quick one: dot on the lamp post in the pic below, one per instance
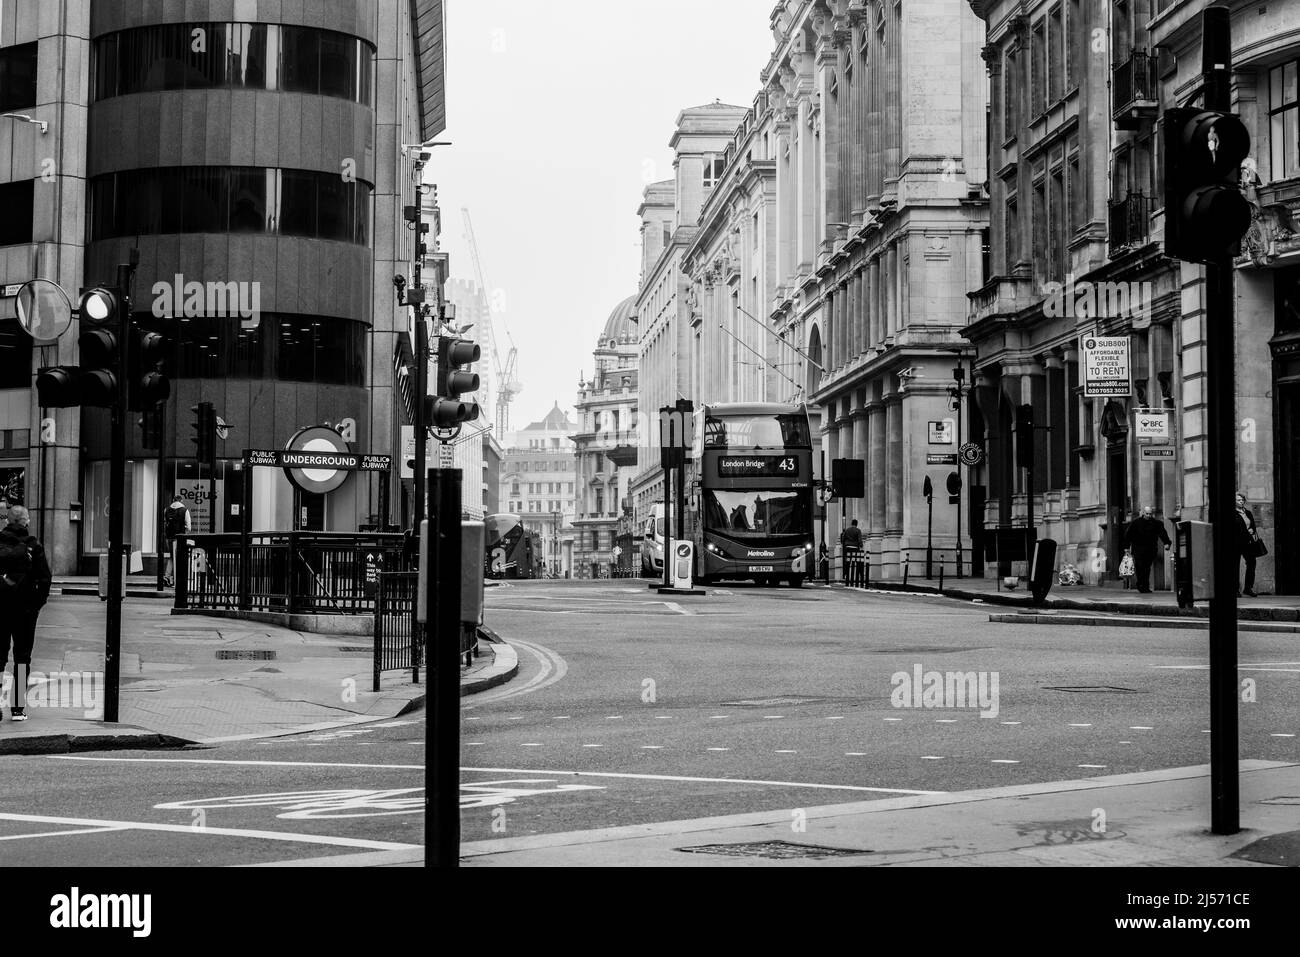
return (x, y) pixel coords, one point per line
(555, 547)
(957, 390)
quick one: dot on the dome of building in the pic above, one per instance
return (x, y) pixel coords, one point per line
(620, 326)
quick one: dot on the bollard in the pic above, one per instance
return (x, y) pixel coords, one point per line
(907, 567)
(941, 576)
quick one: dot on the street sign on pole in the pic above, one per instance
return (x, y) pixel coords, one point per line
(446, 455)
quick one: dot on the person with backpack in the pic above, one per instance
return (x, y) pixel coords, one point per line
(24, 589)
(176, 522)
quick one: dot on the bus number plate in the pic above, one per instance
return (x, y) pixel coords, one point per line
(761, 568)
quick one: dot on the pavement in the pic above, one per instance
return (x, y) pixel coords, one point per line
(1109, 599)
(1153, 819)
(203, 680)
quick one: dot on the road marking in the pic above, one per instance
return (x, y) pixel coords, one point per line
(1206, 731)
(1126, 742)
(893, 719)
(769, 717)
(662, 717)
(1004, 761)
(1281, 735)
(593, 745)
(295, 837)
(553, 668)
(273, 764)
(84, 830)
(787, 751)
(945, 720)
(714, 717)
(530, 744)
(518, 717)
(491, 793)
(1239, 668)
(835, 717)
(473, 718)
(316, 805)
(694, 780)
(673, 606)
(472, 744)
(561, 717)
(391, 724)
(1092, 765)
(1080, 725)
(1010, 722)
(932, 757)
(652, 747)
(1140, 727)
(855, 754)
(719, 749)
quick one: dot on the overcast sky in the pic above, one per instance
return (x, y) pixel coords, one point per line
(560, 113)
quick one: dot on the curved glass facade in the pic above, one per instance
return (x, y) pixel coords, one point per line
(229, 199)
(285, 347)
(254, 56)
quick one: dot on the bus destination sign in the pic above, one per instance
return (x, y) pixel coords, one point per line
(758, 466)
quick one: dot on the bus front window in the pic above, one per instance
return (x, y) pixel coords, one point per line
(750, 513)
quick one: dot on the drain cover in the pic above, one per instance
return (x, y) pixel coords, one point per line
(774, 850)
(253, 654)
(1092, 689)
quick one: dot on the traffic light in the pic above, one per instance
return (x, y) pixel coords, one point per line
(1205, 213)
(445, 407)
(100, 349)
(1025, 436)
(148, 385)
(205, 432)
(954, 488)
(58, 387)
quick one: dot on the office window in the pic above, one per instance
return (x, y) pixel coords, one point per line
(1038, 70)
(18, 77)
(16, 201)
(1011, 91)
(1038, 226)
(15, 356)
(283, 346)
(1055, 55)
(713, 168)
(1283, 112)
(1059, 228)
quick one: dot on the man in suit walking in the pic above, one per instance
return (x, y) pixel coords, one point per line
(1144, 536)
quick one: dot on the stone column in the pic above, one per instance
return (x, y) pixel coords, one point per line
(862, 451)
(890, 271)
(877, 483)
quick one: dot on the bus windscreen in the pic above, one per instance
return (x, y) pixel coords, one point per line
(763, 513)
(777, 432)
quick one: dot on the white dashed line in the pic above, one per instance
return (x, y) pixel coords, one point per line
(1140, 727)
(769, 717)
(715, 717)
(652, 747)
(1080, 725)
(1092, 765)
(719, 749)
(855, 754)
(593, 745)
(932, 757)
(1004, 761)
(893, 719)
(518, 717)
(835, 717)
(473, 719)
(786, 751)
(1205, 731)
(1126, 742)
(561, 717)
(471, 744)
(530, 744)
(1280, 735)
(945, 720)
(613, 717)
(662, 717)
(1010, 722)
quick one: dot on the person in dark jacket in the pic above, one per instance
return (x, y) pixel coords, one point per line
(1144, 535)
(1247, 543)
(851, 545)
(24, 589)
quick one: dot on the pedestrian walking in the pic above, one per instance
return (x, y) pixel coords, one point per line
(851, 546)
(176, 522)
(1144, 536)
(24, 589)
(1249, 545)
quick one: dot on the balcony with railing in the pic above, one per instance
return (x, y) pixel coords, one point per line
(1134, 90)
(1130, 221)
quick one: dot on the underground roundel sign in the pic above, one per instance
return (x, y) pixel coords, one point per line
(324, 443)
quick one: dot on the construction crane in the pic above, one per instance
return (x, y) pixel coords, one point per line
(508, 384)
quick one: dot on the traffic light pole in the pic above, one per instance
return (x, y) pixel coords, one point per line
(420, 427)
(117, 496)
(442, 636)
(160, 493)
(1221, 457)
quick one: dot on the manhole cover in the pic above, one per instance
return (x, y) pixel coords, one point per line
(1092, 689)
(255, 654)
(771, 702)
(773, 850)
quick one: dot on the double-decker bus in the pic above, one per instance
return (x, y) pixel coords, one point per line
(512, 551)
(753, 493)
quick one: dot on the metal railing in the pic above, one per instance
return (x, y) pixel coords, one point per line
(397, 639)
(1129, 220)
(1134, 81)
(330, 573)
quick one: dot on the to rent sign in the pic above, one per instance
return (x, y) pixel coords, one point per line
(1106, 366)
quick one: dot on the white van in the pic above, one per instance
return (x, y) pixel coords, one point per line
(652, 543)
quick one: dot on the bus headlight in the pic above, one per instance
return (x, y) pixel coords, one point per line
(711, 547)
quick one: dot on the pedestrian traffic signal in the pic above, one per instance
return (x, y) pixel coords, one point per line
(148, 385)
(1205, 212)
(1025, 436)
(445, 407)
(954, 488)
(205, 432)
